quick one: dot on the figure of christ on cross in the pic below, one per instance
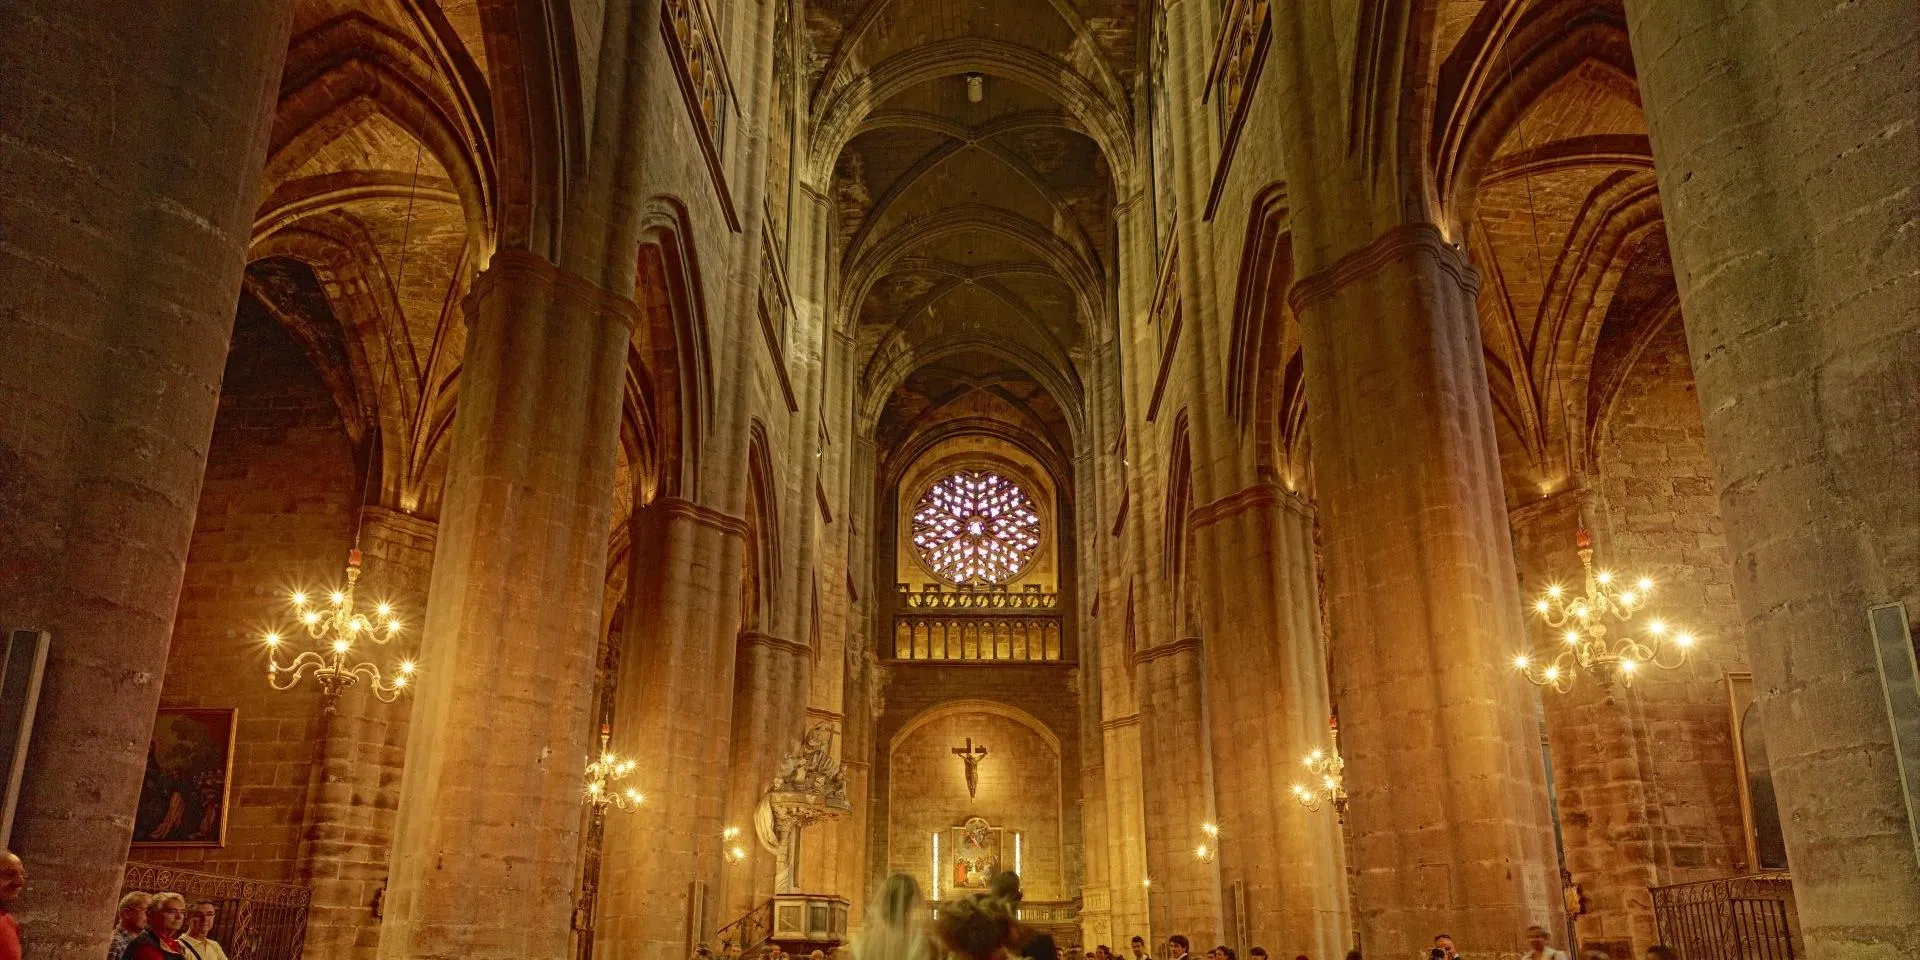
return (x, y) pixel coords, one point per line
(971, 756)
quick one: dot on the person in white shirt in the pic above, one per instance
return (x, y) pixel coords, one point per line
(1537, 948)
(200, 919)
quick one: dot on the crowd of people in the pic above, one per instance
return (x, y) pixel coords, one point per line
(900, 926)
(148, 926)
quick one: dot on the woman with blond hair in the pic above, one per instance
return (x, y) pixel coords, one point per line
(896, 924)
(166, 918)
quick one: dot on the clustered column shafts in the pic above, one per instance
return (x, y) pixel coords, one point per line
(354, 797)
(1177, 773)
(125, 237)
(1443, 765)
(500, 729)
(1784, 141)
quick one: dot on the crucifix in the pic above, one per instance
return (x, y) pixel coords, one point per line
(971, 756)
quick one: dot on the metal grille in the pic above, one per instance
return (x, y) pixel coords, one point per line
(258, 919)
(1737, 918)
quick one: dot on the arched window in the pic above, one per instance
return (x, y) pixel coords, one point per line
(976, 528)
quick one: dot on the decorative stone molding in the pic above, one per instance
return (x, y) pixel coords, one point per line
(523, 267)
(1405, 242)
(771, 642)
(1258, 496)
(682, 509)
(1168, 649)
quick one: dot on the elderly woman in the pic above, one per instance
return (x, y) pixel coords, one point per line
(166, 918)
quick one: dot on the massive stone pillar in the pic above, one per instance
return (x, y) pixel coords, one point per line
(1443, 761)
(769, 708)
(1784, 140)
(1177, 767)
(487, 848)
(1267, 707)
(662, 864)
(132, 148)
(354, 797)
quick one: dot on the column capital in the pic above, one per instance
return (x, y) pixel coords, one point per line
(524, 267)
(1258, 496)
(1402, 243)
(679, 508)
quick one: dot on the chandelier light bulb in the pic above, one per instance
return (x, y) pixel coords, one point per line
(299, 599)
(1684, 640)
(340, 646)
(1520, 662)
(336, 598)
(385, 610)
(310, 618)
(1605, 577)
(1656, 628)
(273, 639)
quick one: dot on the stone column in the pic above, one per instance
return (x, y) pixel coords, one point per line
(487, 849)
(769, 708)
(1177, 768)
(1609, 826)
(1784, 140)
(673, 710)
(1267, 707)
(354, 796)
(133, 148)
(1443, 761)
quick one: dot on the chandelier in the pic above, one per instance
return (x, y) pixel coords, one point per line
(730, 841)
(603, 776)
(1325, 767)
(1209, 848)
(335, 627)
(1586, 645)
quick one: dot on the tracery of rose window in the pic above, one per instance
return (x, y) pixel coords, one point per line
(976, 527)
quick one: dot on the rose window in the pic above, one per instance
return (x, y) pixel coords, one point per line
(976, 527)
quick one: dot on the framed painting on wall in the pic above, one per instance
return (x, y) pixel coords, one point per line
(183, 798)
(1766, 848)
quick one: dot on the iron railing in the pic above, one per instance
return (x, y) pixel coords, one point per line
(748, 932)
(257, 919)
(1734, 918)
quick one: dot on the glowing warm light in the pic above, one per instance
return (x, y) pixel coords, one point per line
(602, 776)
(406, 667)
(976, 527)
(334, 630)
(1597, 625)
